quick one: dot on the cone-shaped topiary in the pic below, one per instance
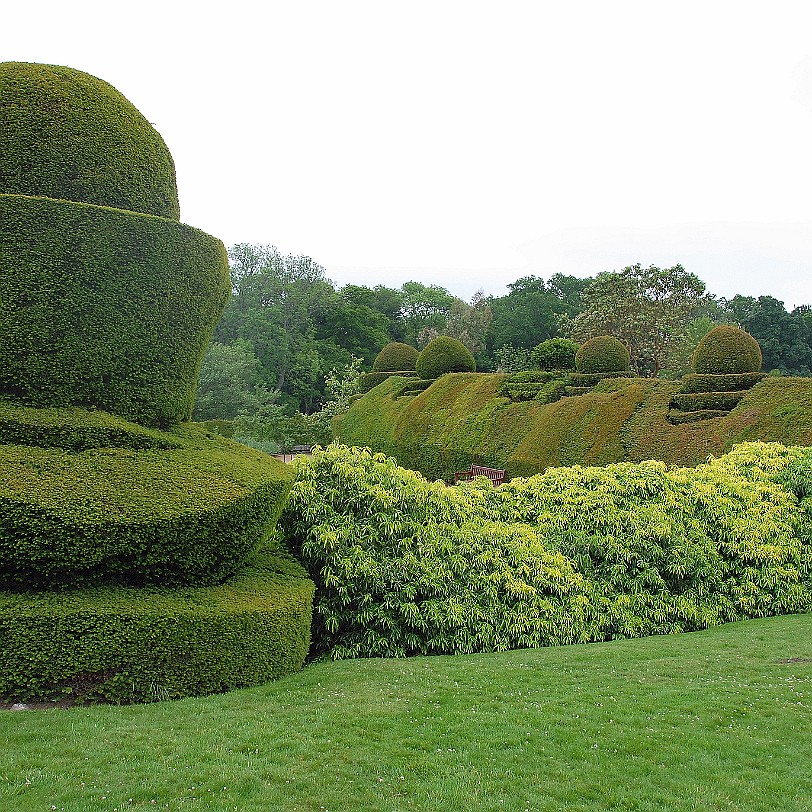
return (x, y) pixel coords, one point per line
(444, 354)
(67, 135)
(602, 354)
(727, 349)
(395, 357)
(555, 353)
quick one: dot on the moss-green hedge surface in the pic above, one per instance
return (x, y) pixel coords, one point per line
(463, 419)
(188, 514)
(135, 645)
(67, 135)
(105, 308)
(406, 566)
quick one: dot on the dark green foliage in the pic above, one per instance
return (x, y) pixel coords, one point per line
(555, 353)
(145, 292)
(189, 514)
(725, 350)
(602, 354)
(720, 383)
(405, 566)
(442, 355)
(394, 357)
(67, 135)
(120, 644)
(702, 401)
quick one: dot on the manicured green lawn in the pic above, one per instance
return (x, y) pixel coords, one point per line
(715, 720)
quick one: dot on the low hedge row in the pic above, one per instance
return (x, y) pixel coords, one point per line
(703, 401)
(678, 417)
(370, 380)
(134, 645)
(412, 387)
(732, 382)
(75, 429)
(114, 515)
(594, 378)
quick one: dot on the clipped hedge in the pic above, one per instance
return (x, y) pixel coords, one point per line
(406, 566)
(67, 135)
(678, 417)
(442, 355)
(544, 387)
(75, 429)
(394, 357)
(413, 387)
(702, 401)
(105, 308)
(369, 380)
(178, 515)
(137, 645)
(602, 354)
(589, 379)
(727, 350)
(733, 382)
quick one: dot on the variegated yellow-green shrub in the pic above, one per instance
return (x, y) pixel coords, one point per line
(407, 566)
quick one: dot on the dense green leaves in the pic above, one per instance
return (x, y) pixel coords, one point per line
(407, 566)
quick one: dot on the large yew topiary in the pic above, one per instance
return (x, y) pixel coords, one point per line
(101, 307)
(444, 354)
(395, 357)
(727, 350)
(107, 303)
(67, 135)
(602, 354)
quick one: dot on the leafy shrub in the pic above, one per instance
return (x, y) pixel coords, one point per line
(696, 401)
(188, 514)
(444, 354)
(133, 645)
(727, 350)
(734, 382)
(67, 135)
(395, 357)
(555, 353)
(602, 354)
(406, 566)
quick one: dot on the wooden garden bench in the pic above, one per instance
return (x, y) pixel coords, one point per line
(496, 475)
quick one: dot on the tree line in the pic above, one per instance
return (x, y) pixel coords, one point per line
(287, 327)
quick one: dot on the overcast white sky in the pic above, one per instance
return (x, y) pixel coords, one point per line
(466, 143)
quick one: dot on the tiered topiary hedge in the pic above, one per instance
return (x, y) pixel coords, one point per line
(726, 363)
(124, 549)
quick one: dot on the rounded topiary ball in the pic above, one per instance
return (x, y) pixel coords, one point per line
(395, 357)
(727, 349)
(444, 354)
(602, 354)
(67, 135)
(555, 353)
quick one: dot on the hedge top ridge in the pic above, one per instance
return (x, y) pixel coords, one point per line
(727, 349)
(395, 357)
(444, 354)
(602, 354)
(67, 135)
